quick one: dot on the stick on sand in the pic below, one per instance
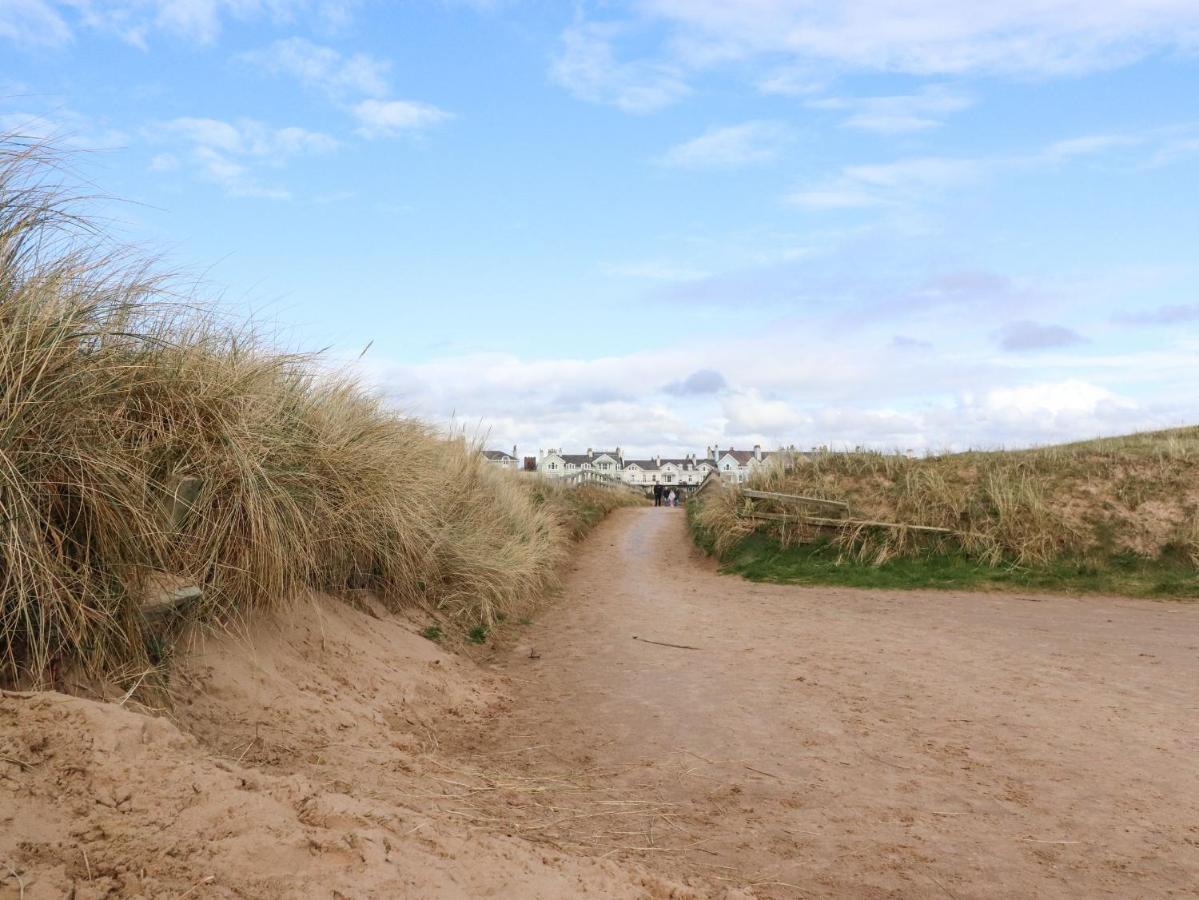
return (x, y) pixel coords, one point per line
(662, 644)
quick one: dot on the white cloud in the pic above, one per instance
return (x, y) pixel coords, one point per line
(793, 81)
(32, 23)
(1072, 397)
(200, 21)
(796, 47)
(899, 113)
(249, 137)
(734, 146)
(804, 384)
(904, 180)
(655, 270)
(65, 128)
(1039, 37)
(324, 68)
(228, 153)
(587, 66)
(1026, 335)
(917, 179)
(390, 118)
(164, 162)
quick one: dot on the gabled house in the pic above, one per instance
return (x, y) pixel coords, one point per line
(691, 470)
(501, 459)
(738, 465)
(600, 465)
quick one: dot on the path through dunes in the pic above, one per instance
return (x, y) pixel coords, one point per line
(826, 741)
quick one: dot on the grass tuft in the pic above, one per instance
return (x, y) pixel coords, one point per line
(1115, 514)
(142, 436)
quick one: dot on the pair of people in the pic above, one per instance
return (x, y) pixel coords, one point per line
(664, 497)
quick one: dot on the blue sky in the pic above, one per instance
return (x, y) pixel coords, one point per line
(667, 224)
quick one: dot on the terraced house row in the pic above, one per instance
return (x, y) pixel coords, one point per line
(731, 464)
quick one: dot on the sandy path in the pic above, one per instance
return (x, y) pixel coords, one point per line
(859, 743)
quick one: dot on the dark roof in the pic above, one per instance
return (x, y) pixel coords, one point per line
(744, 456)
(580, 458)
(647, 464)
(651, 465)
(498, 454)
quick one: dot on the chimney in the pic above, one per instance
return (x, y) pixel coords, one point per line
(588, 451)
(514, 456)
(619, 456)
(710, 454)
(757, 451)
(657, 460)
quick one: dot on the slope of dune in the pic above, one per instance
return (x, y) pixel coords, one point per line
(296, 760)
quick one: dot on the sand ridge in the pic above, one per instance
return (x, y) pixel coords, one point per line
(299, 760)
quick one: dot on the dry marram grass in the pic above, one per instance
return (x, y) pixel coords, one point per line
(1134, 494)
(140, 435)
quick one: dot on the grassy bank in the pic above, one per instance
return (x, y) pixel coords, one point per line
(1116, 515)
(140, 435)
(759, 558)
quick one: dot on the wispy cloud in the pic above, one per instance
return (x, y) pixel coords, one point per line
(1170, 314)
(201, 21)
(1043, 38)
(861, 186)
(587, 65)
(32, 23)
(655, 270)
(898, 113)
(391, 118)
(357, 83)
(731, 147)
(64, 127)
(323, 68)
(231, 154)
(917, 179)
(1026, 335)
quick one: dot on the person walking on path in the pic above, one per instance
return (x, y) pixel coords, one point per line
(672, 499)
(657, 495)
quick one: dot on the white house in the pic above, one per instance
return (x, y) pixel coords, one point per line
(737, 465)
(732, 465)
(601, 465)
(501, 459)
(657, 470)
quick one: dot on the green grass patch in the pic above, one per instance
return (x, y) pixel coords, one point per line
(758, 558)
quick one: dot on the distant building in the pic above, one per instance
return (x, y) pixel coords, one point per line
(609, 465)
(738, 465)
(501, 459)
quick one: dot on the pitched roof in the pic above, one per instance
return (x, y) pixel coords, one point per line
(744, 456)
(648, 464)
(498, 454)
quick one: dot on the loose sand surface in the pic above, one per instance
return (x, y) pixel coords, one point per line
(834, 742)
(816, 742)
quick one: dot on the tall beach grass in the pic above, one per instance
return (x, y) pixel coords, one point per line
(141, 435)
(1135, 496)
